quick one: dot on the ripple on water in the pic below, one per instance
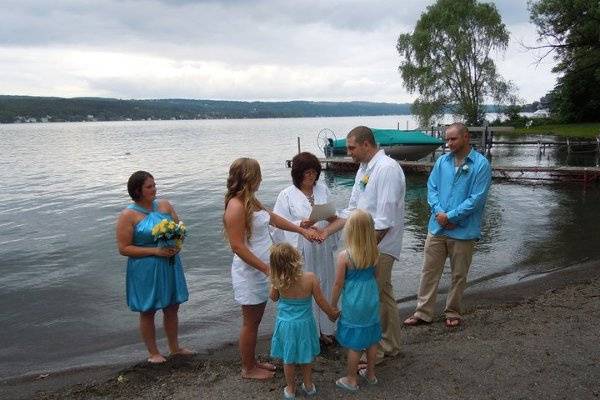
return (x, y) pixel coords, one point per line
(60, 265)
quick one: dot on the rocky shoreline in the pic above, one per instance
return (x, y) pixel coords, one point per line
(536, 339)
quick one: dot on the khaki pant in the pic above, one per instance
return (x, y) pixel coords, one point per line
(437, 249)
(390, 319)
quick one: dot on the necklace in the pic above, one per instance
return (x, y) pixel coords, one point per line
(310, 197)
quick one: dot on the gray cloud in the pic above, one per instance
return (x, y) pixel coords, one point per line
(303, 39)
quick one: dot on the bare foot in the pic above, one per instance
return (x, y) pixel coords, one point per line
(257, 373)
(183, 352)
(266, 365)
(156, 359)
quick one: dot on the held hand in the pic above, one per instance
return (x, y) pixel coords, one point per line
(311, 235)
(166, 251)
(307, 223)
(441, 218)
(336, 314)
(449, 226)
(321, 234)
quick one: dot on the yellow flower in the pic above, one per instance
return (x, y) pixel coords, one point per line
(364, 181)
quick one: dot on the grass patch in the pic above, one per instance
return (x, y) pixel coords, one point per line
(588, 130)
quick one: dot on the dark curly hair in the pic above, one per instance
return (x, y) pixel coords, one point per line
(136, 182)
(301, 163)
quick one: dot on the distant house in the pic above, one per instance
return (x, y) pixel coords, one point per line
(543, 113)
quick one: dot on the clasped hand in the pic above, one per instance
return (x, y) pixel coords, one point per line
(167, 251)
(314, 234)
(442, 219)
(336, 314)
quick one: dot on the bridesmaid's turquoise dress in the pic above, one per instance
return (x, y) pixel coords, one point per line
(153, 283)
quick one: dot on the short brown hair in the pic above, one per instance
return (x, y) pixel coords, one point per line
(462, 128)
(362, 134)
(135, 184)
(303, 162)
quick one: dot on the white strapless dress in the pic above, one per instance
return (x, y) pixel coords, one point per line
(250, 286)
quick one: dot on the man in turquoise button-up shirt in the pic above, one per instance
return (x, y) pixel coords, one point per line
(457, 190)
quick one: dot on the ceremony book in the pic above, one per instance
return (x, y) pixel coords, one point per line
(321, 212)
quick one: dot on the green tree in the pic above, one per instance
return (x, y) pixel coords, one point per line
(447, 59)
(570, 30)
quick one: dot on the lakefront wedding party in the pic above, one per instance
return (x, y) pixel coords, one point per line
(280, 200)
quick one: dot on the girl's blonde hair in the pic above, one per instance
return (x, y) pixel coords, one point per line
(361, 239)
(243, 180)
(286, 265)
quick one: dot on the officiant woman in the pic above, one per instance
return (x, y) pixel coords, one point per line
(294, 203)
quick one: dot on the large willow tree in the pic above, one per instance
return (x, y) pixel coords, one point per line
(447, 59)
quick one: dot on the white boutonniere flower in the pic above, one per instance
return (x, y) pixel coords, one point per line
(465, 168)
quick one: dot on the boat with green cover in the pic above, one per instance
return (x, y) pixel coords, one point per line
(410, 145)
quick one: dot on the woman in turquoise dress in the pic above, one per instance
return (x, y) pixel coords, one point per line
(155, 279)
(359, 326)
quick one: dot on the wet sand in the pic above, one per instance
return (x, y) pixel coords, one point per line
(535, 339)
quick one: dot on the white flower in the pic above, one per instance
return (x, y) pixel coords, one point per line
(465, 167)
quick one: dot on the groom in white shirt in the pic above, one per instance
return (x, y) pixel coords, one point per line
(379, 189)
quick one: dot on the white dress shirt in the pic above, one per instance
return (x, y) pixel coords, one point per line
(383, 197)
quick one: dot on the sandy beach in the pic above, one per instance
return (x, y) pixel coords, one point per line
(536, 339)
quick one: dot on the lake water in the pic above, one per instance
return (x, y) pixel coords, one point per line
(62, 293)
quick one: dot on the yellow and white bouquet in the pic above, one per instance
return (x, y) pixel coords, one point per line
(169, 234)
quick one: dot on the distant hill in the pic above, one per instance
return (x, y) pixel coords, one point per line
(55, 109)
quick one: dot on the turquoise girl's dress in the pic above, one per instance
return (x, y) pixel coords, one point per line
(153, 283)
(295, 337)
(359, 325)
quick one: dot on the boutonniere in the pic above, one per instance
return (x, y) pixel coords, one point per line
(465, 168)
(364, 181)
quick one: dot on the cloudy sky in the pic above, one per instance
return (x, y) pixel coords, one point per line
(229, 49)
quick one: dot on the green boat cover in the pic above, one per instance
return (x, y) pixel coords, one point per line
(390, 137)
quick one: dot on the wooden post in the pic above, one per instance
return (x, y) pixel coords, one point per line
(298, 144)
(484, 138)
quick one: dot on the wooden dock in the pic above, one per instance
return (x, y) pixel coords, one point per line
(585, 175)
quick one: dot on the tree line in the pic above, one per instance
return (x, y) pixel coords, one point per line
(53, 109)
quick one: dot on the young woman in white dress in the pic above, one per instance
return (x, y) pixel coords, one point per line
(247, 228)
(295, 204)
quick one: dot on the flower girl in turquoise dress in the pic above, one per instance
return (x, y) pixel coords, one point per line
(295, 337)
(359, 325)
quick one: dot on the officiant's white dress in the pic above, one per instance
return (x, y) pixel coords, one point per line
(294, 206)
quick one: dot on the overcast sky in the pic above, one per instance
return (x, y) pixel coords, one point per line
(229, 49)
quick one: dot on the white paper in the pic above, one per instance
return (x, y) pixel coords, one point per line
(321, 212)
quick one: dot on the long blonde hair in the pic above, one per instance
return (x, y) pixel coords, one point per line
(243, 180)
(286, 265)
(361, 239)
